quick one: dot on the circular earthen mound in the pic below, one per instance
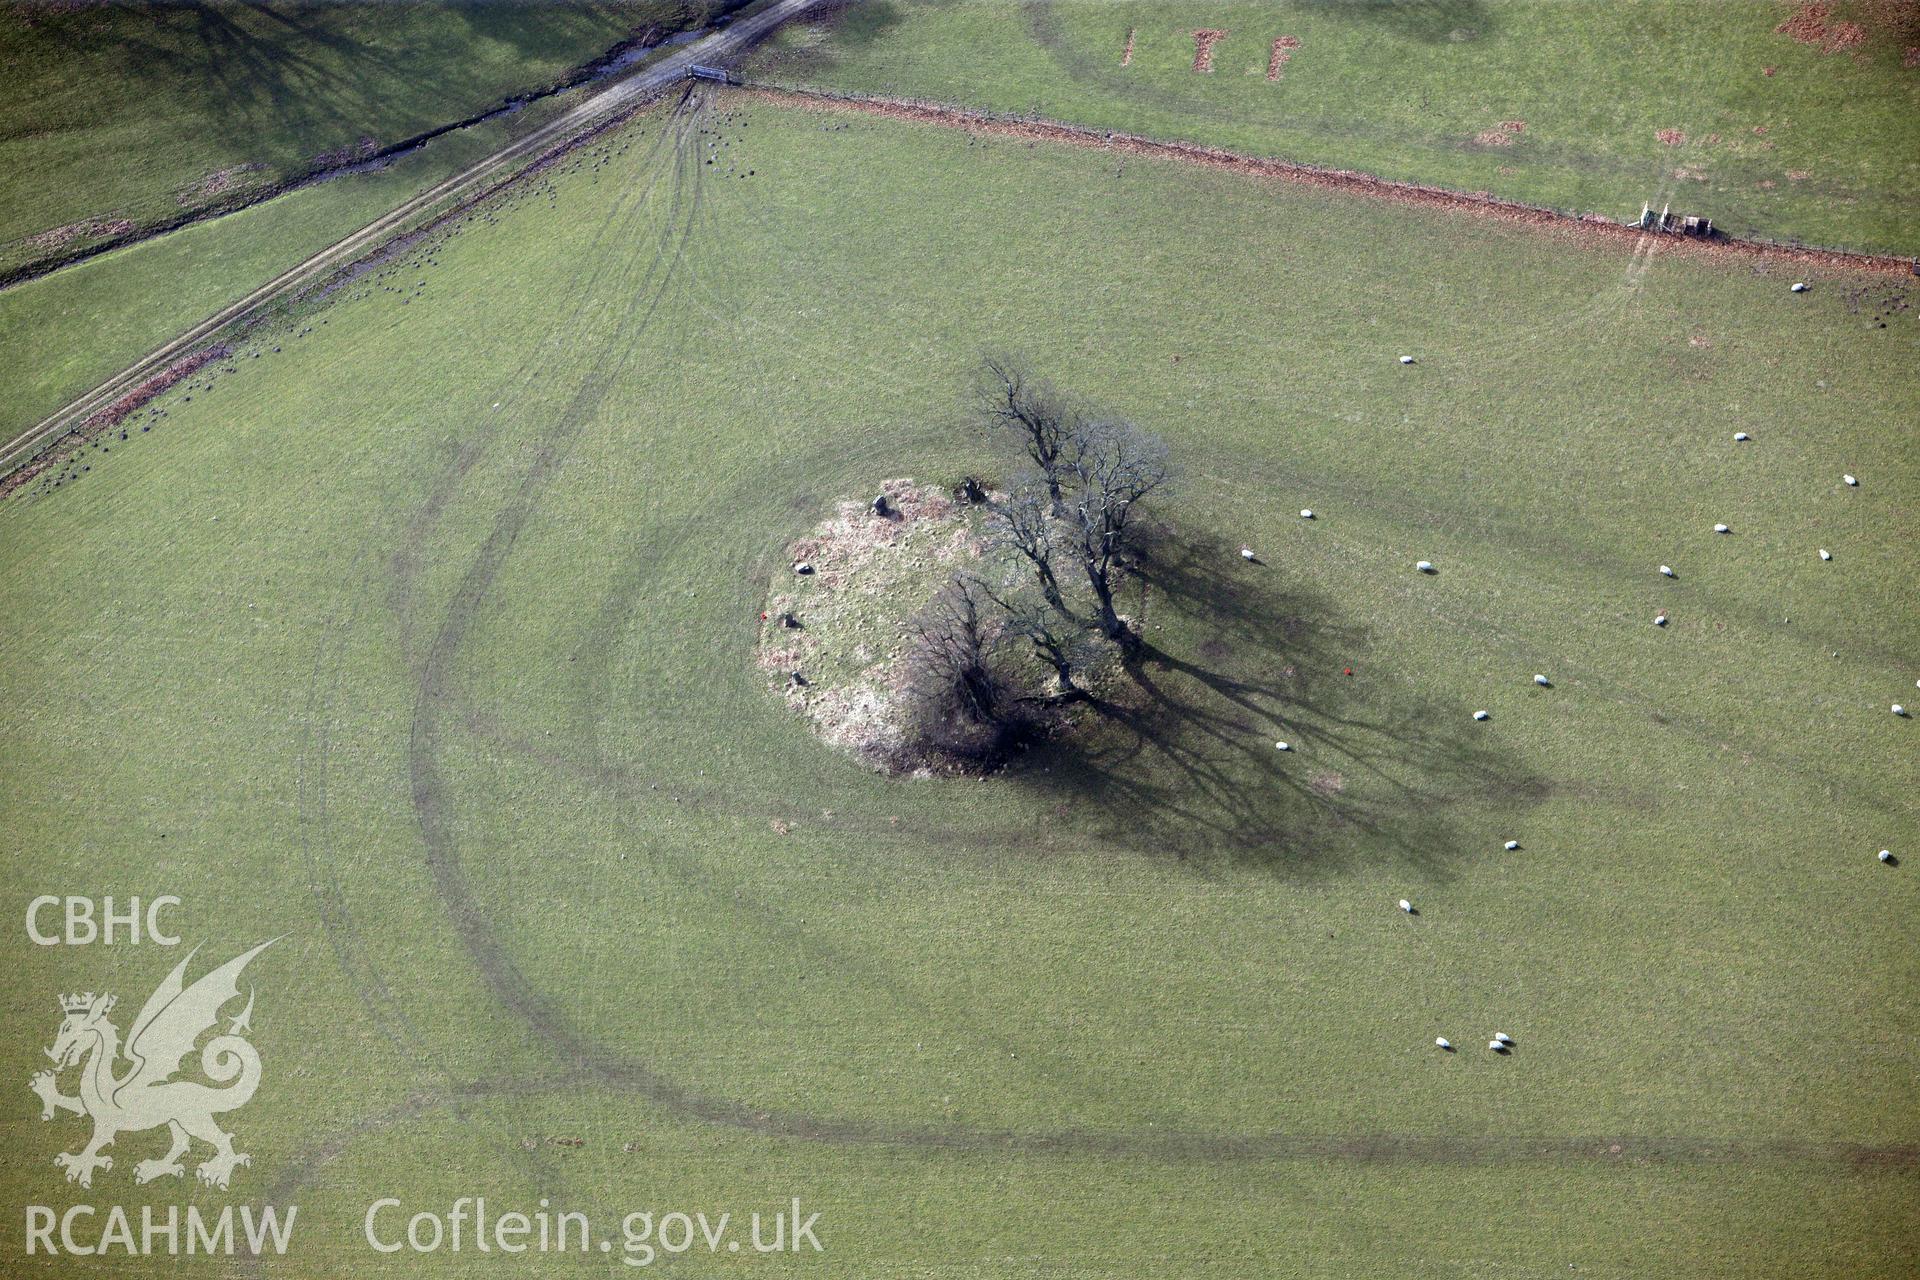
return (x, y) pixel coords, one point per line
(834, 630)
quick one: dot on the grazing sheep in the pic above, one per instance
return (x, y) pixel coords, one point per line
(1246, 553)
(1406, 359)
(1501, 1037)
(1799, 286)
(1666, 571)
(1851, 482)
(802, 567)
(1721, 528)
(1423, 566)
(1441, 1042)
(1886, 855)
(1282, 746)
(1543, 682)
(1511, 845)
(1899, 710)
(1741, 437)
(1306, 513)
(1660, 618)
(1825, 554)
(1406, 906)
(1496, 1046)
(1479, 715)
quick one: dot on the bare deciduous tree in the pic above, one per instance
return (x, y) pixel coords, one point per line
(951, 669)
(1024, 525)
(1055, 639)
(1010, 398)
(1110, 467)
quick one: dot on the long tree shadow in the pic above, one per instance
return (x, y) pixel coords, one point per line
(1180, 755)
(300, 78)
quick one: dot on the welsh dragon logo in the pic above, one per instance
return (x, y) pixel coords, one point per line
(148, 1094)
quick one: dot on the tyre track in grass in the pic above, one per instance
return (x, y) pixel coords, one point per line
(475, 182)
(1378, 1150)
(313, 757)
(441, 707)
(437, 688)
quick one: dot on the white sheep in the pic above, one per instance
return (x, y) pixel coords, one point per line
(1246, 553)
(1511, 845)
(1899, 710)
(1423, 566)
(1406, 359)
(1721, 528)
(1306, 513)
(1282, 746)
(1479, 715)
(1799, 286)
(1543, 682)
(1501, 1037)
(1852, 483)
(1496, 1046)
(1406, 906)
(1825, 554)
(1886, 855)
(1741, 437)
(1660, 619)
(1441, 1042)
(1666, 571)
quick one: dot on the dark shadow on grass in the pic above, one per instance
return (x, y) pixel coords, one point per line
(1178, 755)
(1432, 21)
(299, 81)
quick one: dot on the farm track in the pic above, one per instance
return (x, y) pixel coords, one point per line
(475, 182)
(1349, 181)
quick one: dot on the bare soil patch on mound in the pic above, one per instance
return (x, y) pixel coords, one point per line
(835, 627)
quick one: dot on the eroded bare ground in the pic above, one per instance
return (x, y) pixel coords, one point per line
(832, 612)
(1593, 227)
(56, 458)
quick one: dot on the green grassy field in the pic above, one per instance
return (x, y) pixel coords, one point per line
(1766, 134)
(137, 113)
(427, 642)
(70, 331)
